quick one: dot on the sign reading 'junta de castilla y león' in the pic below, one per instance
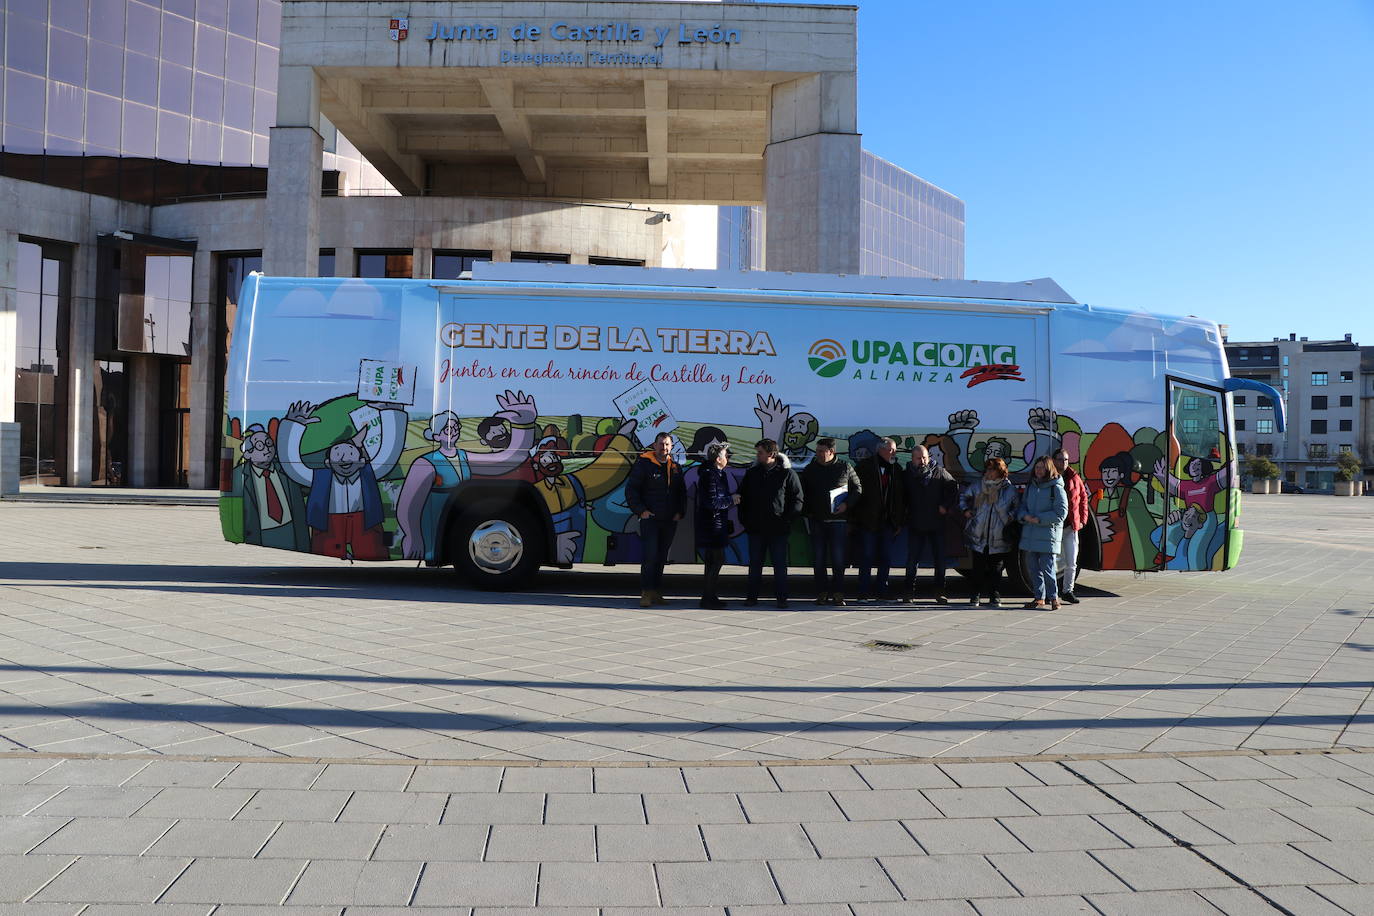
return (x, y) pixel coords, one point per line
(625, 32)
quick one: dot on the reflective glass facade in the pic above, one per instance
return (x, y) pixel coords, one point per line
(908, 227)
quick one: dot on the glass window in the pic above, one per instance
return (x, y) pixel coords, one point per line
(1264, 426)
(1240, 426)
(1319, 378)
(205, 141)
(26, 43)
(68, 62)
(1285, 360)
(166, 320)
(449, 265)
(207, 100)
(173, 137)
(24, 104)
(240, 55)
(238, 148)
(1347, 447)
(42, 275)
(1347, 375)
(107, 20)
(102, 120)
(1317, 450)
(265, 73)
(1318, 402)
(178, 39)
(327, 262)
(1264, 403)
(384, 264)
(140, 130)
(185, 8)
(214, 12)
(532, 257)
(175, 88)
(238, 106)
(144, 31)
(140, 78)
(264, 111)
(243, 17)
(269, 21)
(65, 115)
(106, 68)
(1318, 427)
(109, 427)
(210, 50)
(1238, 400)
(1264, 448)
(1347, 400)
(616, 262)
(1192, 425)
(1346, 426)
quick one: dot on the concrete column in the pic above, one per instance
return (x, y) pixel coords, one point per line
(343, 262)
(812, 176)
(80, 366)
(9, 457)
(295, 161)
(422, 263)
(206, 386)
(144, 380)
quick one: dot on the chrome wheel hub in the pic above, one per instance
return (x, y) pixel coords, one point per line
(495, 546)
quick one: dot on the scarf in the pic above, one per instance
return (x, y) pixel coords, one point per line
(988, 493)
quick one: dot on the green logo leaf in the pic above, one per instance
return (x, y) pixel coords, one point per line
(826, 368)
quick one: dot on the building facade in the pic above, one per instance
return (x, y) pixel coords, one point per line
(153, 152)
(1327, 387)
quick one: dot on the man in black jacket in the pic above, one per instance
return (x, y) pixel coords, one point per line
(656, 493)
(880, 514)
(770, 498)
(830, 487)
(931, 497)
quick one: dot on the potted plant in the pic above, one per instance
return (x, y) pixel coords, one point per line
(1347, 470)
(1264, 474)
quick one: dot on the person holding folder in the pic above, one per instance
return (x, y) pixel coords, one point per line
(830, 486)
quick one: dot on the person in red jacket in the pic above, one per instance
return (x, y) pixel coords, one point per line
(1079, 513)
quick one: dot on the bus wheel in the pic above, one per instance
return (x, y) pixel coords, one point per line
(497, 548)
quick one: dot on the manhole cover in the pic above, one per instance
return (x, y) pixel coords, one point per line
(884, 645)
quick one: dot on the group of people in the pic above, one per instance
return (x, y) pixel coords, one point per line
(883, 500)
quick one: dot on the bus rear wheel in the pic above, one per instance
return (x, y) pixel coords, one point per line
(496, 548)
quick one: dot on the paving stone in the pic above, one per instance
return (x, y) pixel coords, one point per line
(1159, 796)
(1253, 825)
(1062, 832)
(272, 776)
(395, 807)
(721, 883)
(1153, 769)
(1241, 793)
(18, 770)
(694, 809)
(1271, 863)
(539, 843)
(293, 805)
(594, 809)
(89, 772)
(21, 800)
(21, 875)
(95, 801)
(817, 778)
(599, 883)
(425, 843)
(495, 808)
(214, 839)
(916, 908)
(1354, 860)
(1033, 906)
(904, 776)
(963, 835)
(651, 843)
(1153, 903)
(790, 807)
(979, 775)
(1338, 824)
(1161, 869)
(757, 841)
(178, 802)
(18, 835)
(1231, 767)
(730, 779)
(113, 879)
(477, 884)
(373, 778)
(945, 877)
(1047, 873)
(189, 774)
(1237, 901)
(261, 881)
(1322, 791)
(988, 802)
(861, 839)
(639, 780)
(356, 883)
(1352, 898)
(547, 779)
(455, 779)
(1070, 799)
(313, 840)
(110, 836)
(884, 804)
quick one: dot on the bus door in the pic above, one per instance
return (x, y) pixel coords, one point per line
(1201, 502)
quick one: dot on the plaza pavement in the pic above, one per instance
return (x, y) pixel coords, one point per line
(187, 726)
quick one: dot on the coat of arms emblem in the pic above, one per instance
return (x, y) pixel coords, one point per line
(400, 27)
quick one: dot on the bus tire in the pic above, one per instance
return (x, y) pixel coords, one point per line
(496, 547)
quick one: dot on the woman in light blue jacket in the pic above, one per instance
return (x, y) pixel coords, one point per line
(1044, 506)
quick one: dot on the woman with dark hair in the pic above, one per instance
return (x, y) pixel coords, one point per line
(988, 505)
(713, 526)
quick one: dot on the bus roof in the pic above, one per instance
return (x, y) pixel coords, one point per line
(1042, 290)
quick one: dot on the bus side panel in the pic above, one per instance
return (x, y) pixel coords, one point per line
(1110, 385)
(321, 385)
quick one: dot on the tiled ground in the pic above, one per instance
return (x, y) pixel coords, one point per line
(1127, 756)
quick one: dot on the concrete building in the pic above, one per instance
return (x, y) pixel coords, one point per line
(1326, 393)
(156, 151)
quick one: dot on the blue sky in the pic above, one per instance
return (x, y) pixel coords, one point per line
(1213, 159)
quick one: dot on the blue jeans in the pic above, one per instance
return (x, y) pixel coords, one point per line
(776, 546)
(828, 547)
(655, 537)
(1043, 584)
(877, 552)
(931, 543)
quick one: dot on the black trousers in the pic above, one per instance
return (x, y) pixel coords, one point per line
(715, 559)
(987, 573)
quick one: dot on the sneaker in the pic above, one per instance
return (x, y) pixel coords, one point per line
(1036, 605)
(1054, 604)
(646, 599)
(995, 602)
(840, 602)
(974, 600)
(824, 599)
(941, 599)
(1069, 598)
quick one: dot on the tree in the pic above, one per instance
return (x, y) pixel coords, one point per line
(1261, 467)
(1347, 466)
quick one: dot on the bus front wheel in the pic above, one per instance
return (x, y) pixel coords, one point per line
(496, 548)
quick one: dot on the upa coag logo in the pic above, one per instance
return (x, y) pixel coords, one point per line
(399, 28)
(827, 357)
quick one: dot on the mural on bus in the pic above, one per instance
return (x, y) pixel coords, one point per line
(358, 419)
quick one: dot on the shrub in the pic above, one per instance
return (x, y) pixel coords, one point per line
(1347, 466)
(1261, 467)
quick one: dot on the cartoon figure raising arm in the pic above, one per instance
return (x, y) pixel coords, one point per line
(434, 475)
(344, 508)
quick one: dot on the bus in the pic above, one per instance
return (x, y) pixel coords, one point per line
(490, 423)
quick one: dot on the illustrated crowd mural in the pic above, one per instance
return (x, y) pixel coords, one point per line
(368, 481)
